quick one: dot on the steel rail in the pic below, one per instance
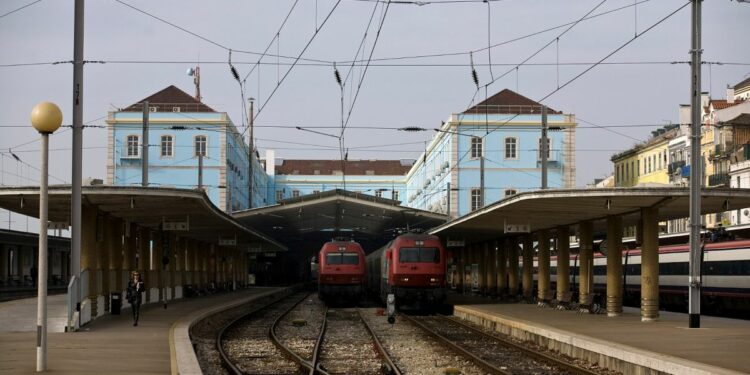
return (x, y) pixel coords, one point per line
(289, 353)
(225, 360)
(392, 368)
(522, 348)
(453, 346)
(318, 345)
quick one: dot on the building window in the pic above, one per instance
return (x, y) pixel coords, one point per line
(379, 193)
(167, 146)
(539, 154)
(638, 167)
(279, 195)
(394, 195)
(476, 199)
(201, 145)
(509, 192)
(295, 193)
(316, 192)
(133, 149)
(476, 147)
(510, 148)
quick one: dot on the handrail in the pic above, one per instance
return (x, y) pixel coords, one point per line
(73, 291)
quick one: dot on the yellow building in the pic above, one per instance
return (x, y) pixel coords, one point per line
(646, 163)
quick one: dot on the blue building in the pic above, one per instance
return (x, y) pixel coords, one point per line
(498, 139)
(182, 130)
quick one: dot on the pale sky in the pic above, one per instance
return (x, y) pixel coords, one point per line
(143, 55)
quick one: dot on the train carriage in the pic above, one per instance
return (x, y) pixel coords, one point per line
(412, 267)
(341, 270)
(725, 276)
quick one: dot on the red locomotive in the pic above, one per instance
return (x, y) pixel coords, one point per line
(341, 270)
(412, 267)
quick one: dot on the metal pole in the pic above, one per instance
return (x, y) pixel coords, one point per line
(696, 170)
(251, 117)
(200, 170)
(75, 199)
(481, 173)
(448, 190)
(41, 307)
(144, 146)
(543, 149)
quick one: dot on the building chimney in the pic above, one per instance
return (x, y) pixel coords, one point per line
(270, 162)
(684, 114)
(730, 94)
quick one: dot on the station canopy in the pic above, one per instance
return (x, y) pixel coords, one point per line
(548, 209)
(308, 221)
(189, 213)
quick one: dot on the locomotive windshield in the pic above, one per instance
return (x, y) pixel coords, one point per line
(342, 258)
(418, 255)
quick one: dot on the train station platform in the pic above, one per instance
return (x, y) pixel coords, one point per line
(110, 344)
(623, 343)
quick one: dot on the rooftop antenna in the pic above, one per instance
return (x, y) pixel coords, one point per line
(196, 74)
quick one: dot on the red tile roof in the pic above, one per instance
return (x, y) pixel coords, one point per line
(721, 104)
(169, 98)
(353, 167)
(510, 102)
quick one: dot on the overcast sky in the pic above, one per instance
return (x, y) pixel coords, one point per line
(143, 55)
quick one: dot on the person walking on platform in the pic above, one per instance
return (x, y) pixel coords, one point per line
(135, 288)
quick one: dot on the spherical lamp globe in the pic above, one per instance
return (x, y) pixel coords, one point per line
(46, 117)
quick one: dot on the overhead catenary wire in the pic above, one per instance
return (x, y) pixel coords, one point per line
(583, 73)
(296, 60)
(206, 39)
(19, 8)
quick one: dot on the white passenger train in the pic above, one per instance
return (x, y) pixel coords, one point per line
(725, 275)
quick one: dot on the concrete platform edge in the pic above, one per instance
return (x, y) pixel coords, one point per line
(184, 360)
(618, 357)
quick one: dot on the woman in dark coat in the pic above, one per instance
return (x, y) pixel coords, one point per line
(135, 288)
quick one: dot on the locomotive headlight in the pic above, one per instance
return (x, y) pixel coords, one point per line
(404, 279)
(434, 279)
(355, 279)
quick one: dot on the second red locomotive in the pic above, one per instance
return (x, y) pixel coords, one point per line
(412, 267)
(341, 270)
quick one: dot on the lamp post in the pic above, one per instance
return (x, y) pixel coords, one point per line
(46, 118)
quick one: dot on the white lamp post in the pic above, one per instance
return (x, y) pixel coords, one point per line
(46, 117)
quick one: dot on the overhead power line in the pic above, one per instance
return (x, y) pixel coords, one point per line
(20, 8)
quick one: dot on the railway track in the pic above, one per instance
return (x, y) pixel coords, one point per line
(348, 345)
(493, 353)
(248, 346)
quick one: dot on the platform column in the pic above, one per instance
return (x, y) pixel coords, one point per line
(563, 266)
(485, 265)
(650, 265)
(543, 275)
(115, 250)
(104, 232)
(528, 268)
(197, 264)
(585, 263)
(492, 269)
(614, 265)
(212, 264)
(460, 271)
(144, 260)
(90, 261)
(502, 268)
(174, 269)
(129, 251)
(512, 245)
(157, 283)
